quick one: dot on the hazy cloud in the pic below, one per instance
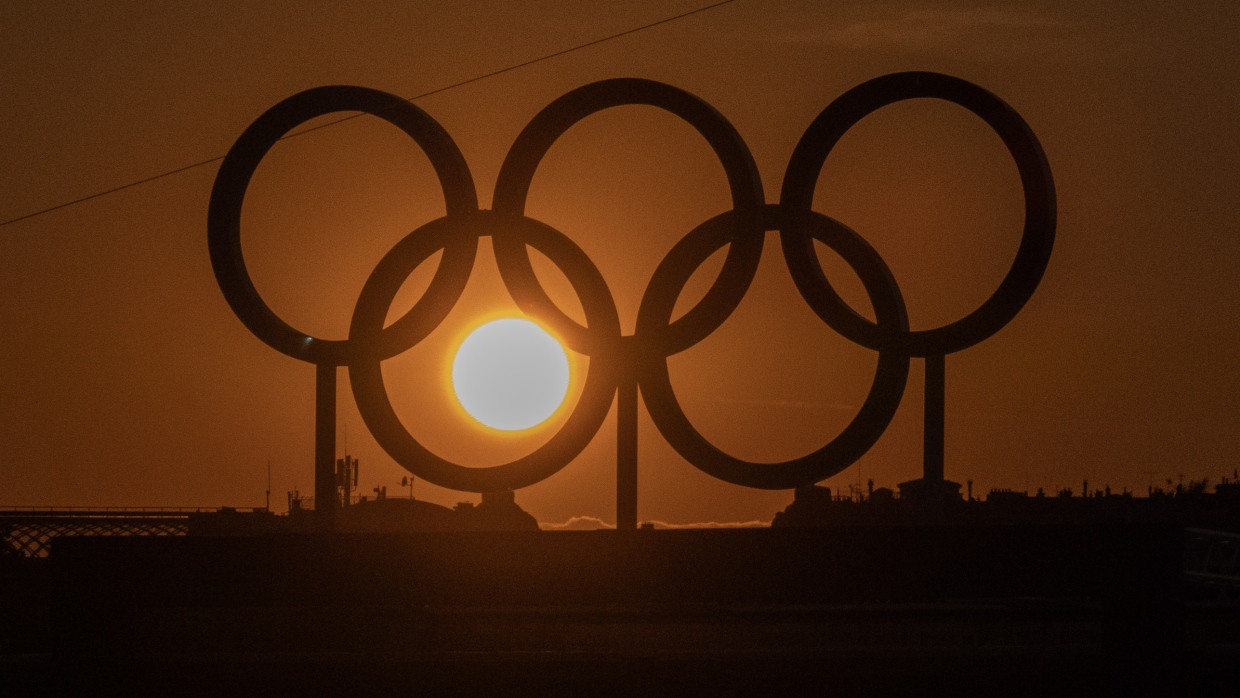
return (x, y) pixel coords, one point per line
(576, 523)
(917, 29)
(590, 523)
(790, 404)
(714, 524)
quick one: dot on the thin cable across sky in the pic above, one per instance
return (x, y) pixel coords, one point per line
(438, 90)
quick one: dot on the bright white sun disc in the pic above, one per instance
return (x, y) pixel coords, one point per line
(510, 374)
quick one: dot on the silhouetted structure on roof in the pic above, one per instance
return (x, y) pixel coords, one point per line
(498, 511)
(1191, 506)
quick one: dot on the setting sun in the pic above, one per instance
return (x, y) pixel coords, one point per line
(510, 374)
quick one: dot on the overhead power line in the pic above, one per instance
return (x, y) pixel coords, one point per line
(350, 117)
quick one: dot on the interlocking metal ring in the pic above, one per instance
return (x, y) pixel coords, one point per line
(366, 374)
(1036, 240)
(741, 263)
(875, 413)
(639, 359)
(242, 160)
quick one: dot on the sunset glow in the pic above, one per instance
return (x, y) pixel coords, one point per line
(117, 335)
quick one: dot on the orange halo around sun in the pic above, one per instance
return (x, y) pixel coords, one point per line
(510, 374)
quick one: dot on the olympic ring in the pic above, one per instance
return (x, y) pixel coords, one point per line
(366, 374)
(1036, 241)
(224, 211)
(515, 175)
(857, 438)
(641, 359)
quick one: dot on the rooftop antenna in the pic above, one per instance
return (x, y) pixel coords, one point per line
(268, 484)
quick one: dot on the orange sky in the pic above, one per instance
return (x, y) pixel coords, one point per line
(126, 380)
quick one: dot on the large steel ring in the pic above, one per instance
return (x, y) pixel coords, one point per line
(366, 374)
(1037, 239)
(242, 160)
(870, 421)
(516, 174)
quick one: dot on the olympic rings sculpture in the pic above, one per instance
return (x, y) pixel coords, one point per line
(641, 358)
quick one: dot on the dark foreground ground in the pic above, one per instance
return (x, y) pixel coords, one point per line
(1005, 610)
